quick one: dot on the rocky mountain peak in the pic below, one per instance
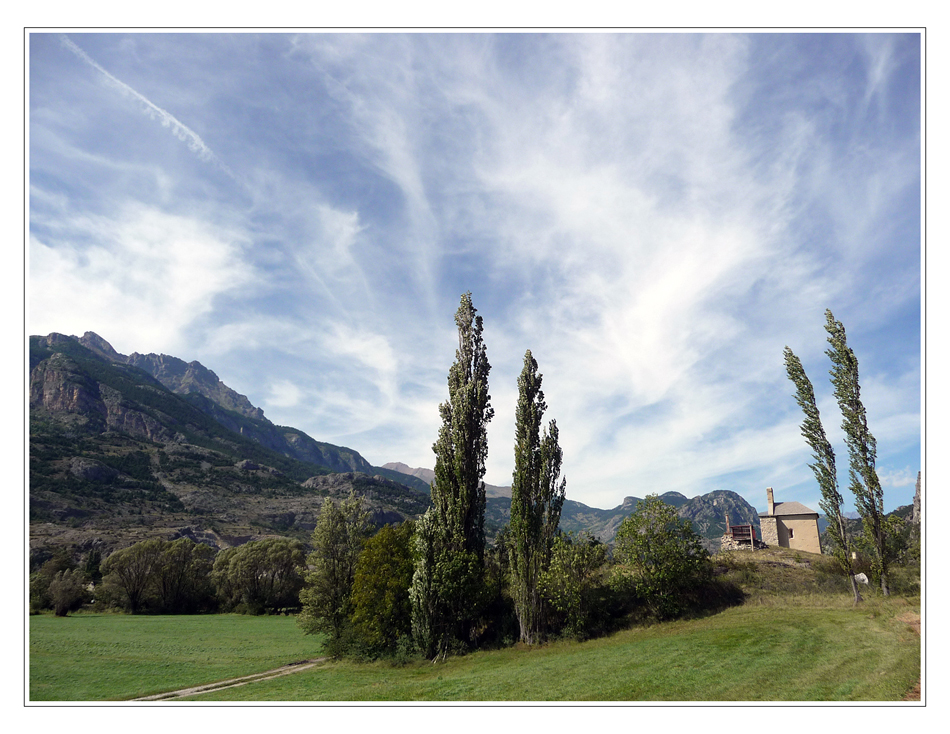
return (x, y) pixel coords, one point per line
(95, 343)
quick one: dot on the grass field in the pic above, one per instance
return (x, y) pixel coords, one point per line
(796, 648)
(99, 657)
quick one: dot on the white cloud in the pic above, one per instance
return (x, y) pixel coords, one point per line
(905, 477)
(283, 394)
(624, 205)
(139, 279)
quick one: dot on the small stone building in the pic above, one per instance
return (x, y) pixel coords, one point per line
(790, 525)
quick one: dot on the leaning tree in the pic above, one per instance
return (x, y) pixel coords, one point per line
(823, 468)
(862, 447)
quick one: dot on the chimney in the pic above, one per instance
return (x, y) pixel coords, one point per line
(768, 492)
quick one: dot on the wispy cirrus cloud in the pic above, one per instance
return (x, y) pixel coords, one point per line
(654, 215)
(178, 128)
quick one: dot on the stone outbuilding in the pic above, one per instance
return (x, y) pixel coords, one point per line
(790, 525)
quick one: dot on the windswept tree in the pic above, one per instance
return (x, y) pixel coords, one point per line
(450, 538)
(823, 468)
(862, 447)
(326, 598)
(537, 494)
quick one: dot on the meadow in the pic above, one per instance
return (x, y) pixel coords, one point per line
(798, 647)
(102, 657)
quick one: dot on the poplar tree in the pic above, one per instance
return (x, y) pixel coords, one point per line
(823, 468)
(537, 494)
(862, 447)
(326, 598)
(450, 538)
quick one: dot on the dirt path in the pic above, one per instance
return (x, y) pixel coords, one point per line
(234, 682)
(913, 620)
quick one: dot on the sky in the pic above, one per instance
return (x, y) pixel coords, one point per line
(654, 215)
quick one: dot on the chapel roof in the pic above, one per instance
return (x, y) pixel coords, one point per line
(791, 508)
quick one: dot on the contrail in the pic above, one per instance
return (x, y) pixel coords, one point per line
(178, 128)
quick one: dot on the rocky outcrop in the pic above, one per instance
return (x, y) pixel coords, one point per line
(376, 490)
(915, 516)
(60, 387)
(57, 385)
(191, 377)
(91, 470)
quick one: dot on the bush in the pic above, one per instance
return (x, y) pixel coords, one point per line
(67, 592)
(665, 555)
(575, 585)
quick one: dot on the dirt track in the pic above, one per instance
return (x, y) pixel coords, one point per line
(914, 621)
(234, 682)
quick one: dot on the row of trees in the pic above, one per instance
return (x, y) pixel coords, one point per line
(435, 587)
(176, 577)
(878, 531)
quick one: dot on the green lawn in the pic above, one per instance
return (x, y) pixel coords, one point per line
(793, 653)
(96, 657)
(802, 649)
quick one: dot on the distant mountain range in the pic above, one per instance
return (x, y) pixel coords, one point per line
(124, 447)
(707, 512)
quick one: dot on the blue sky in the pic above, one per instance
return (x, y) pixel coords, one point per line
(656, 216)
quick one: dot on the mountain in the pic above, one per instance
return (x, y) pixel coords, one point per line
(707, 513)
(127, 447)
(427, 475)
(117, 455)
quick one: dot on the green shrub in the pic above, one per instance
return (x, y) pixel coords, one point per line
(665, 555)
(575, 584)
(382, 614)
(67, 592)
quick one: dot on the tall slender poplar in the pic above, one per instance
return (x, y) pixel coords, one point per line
(862, 447)
(537, 495)
(448, 580)
(823, 468)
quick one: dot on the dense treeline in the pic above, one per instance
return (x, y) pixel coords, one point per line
(175, 577)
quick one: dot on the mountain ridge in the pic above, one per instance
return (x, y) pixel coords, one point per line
(83, 383)
(115, 456)
(706, 512)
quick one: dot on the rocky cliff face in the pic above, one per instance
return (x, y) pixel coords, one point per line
(116, 456)
(199, 384)
(59, 386)
(191, 377)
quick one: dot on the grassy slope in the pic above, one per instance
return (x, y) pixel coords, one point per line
(751, 653)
